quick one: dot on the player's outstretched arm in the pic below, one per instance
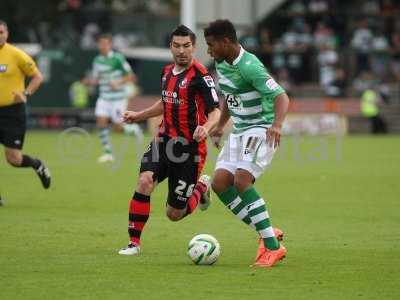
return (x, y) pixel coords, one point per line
(90, 81)
(281, 107)
(155, 110)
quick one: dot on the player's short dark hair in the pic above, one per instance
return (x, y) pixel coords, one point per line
(105, 35)
(221, 29)
(182, 30)
(4, 24)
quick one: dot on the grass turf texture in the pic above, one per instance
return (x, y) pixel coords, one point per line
(336, 200)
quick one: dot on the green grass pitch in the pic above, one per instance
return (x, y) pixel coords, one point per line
(337, 200)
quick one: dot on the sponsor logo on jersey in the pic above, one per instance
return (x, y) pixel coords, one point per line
(233, 101)
(171, 97)
(3, 68)
(271, 84)
(169, 94)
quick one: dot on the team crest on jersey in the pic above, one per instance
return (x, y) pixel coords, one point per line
(183, 83)
(3, 68)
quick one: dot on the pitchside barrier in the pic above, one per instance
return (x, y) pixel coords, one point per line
(306, 116)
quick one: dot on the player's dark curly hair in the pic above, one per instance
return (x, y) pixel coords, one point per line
(221, 29)
(182, 30)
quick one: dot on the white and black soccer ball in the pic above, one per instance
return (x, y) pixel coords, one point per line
(204, 249)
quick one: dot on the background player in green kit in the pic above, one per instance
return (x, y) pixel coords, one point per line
(257, 106)
(111, 72)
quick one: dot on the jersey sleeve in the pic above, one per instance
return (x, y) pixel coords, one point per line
(258, 77)
(124, 65)
(206, 88)
(26, 64)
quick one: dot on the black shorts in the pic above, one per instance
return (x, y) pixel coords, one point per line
(180, 163)
(13, 125)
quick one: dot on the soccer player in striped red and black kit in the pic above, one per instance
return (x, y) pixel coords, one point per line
(189, 105)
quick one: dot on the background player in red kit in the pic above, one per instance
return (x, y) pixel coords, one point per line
(189, 105)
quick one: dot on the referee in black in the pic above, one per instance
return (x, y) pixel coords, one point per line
(15, 65)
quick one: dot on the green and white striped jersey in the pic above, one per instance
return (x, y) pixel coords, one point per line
(107, 68)
(249, 91)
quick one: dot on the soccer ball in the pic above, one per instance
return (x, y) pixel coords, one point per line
(204, 249)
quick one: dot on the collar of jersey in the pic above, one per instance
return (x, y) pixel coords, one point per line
(177, 73)
(4, 46)
(237, 59)
(110, 54)
(184, 70)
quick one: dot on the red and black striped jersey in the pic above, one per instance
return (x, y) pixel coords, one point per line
(187, 98)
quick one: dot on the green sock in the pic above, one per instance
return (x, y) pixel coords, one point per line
(259, 217)
(230, 198)
(104, 135)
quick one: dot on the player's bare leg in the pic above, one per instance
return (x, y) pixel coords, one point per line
(175, 214)
(222, 180)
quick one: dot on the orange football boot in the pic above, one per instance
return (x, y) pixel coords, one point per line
(270, 257)
(261, 247)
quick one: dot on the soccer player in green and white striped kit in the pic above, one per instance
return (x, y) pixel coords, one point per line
(257, 106)
(112, 73)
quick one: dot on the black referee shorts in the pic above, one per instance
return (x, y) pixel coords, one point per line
(13, 125)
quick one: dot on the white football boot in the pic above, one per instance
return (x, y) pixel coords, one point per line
(205, 199)
(106, 157)
(131, 249)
